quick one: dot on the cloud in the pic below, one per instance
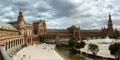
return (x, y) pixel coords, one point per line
(89, 14)
(62, 8)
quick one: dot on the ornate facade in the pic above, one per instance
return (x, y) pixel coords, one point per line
(15, 34)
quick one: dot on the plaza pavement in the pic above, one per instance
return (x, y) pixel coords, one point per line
(103, 48)
(38, 52)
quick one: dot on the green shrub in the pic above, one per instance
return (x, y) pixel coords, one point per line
(80, 45)
(24, 45)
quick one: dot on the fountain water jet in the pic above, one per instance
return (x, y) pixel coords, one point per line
(108, 40)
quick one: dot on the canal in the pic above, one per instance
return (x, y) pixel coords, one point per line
(66, 52)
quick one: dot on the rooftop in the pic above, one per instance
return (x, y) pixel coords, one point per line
(57, 30)
(90, 30)
(7, 26)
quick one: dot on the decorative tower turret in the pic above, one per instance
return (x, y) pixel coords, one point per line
(44, 27)
(110, 26)
(79, 33)
(20, 21)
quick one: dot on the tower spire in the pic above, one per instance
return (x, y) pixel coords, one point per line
(110, 27)
(109, 13)
(20, 9)
(110, 21)
(20, 16)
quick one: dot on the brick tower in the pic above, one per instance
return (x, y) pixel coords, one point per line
(110, 26)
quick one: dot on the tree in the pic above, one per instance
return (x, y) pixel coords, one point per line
(102, 36)
(110, 36)
(72, 42)
(80, 45)
(115, 50)
(93, 48)
(116, 34)
(83, 38)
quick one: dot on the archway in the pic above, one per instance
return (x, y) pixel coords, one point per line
(16, 43)
(6, 46)
(28, 41)
(9, 44)
(42, 40)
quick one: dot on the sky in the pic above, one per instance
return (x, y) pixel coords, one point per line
(61, 14)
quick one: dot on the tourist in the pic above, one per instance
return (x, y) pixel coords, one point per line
(24, 56)
(15, 54)
(21, 58)
(29, 57)
(48, 49)
(51, 48)
(19, 55)
(12, 58)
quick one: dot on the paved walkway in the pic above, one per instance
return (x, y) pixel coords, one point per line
(103, 48)
(38, 52)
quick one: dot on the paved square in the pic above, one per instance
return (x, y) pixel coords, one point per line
(103, 48)
(38, 52)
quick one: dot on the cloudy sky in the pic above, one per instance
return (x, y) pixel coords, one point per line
(60, 14)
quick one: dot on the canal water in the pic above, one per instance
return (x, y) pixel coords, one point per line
(65, 51)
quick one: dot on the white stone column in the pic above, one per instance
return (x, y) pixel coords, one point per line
(5, 47)
(22, 41)
(17, 42)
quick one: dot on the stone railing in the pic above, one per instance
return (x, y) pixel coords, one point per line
(1, 56)
(3, 53)
(64, 57)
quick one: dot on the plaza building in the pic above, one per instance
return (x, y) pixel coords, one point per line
(14, 34)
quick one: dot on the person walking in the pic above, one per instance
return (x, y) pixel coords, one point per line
(29, 57)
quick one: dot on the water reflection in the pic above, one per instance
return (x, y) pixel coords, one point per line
(68, 54)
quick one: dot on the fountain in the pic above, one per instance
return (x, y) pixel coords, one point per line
(107, 40)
